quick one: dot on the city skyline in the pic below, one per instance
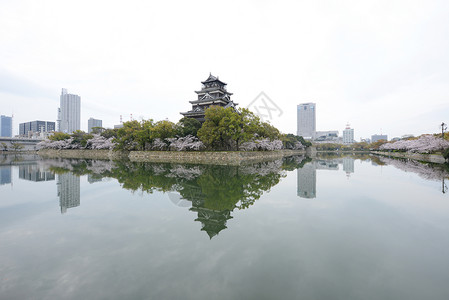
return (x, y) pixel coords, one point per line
(373, 64)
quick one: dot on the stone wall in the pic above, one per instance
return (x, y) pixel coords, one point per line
(205, 157)
(433, 158)
(90, 154)
(198, 157)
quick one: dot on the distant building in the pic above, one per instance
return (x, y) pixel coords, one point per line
(213, 93)
(25, 129)
(306, 120)
(348, 135)
(91, 123)
(118, 126)
(378, 137)
(5, 126)
(326, 136)
(69, 112)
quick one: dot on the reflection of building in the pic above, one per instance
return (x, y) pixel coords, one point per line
(68, 191)
(348, 165)
(5, 175)
(69, 112)
(306, 120)
(5, 126)
(306, 177)
(91, 123)
(213, 93)
(35, 173)
(328, 164)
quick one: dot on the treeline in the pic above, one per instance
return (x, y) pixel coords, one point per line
(224, 129)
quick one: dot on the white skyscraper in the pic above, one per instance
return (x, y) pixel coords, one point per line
(306, 118)
(348, 135)
(69, 112)
(91, 123)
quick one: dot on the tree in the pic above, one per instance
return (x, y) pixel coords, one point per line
(80, 137)
(108, 133)
(59, 136)
(187, 126)
(163, 130)
(211, 133)
(16, 146)
(4, 146)
(97, 130)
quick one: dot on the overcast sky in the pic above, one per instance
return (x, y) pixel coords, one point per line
(382, 66)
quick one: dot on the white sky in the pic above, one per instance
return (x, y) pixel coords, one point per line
(379, 65)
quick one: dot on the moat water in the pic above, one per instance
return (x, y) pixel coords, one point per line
(329, 228)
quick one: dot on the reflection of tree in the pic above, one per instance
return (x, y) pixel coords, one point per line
(214, 191)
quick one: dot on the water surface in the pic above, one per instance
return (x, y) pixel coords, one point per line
(329, 228)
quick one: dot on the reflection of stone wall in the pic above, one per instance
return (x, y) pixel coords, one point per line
(433, 158)
(90, 154)
(218, 158)
(68, 191)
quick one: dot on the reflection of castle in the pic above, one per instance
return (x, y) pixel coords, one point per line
(68, 191)
(5, 175)
(212, 220)
(306, 176)
(35, 173)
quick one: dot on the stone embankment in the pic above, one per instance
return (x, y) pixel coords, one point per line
(432, 158)
(89, 154)
(200, 157)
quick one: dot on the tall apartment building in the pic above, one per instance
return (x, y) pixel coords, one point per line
(69, 112)
(93, 123)
(306, 120)
(36, 126)
(348, 135)
(5, 126)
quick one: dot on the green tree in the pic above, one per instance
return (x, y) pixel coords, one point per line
(211, 133)
(188, 126)
(80, 137)
(16, 146)
(59, 136)
(4, 146)
(163, 130)
(127, 136)
(108, 133)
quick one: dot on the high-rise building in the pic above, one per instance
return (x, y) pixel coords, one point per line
(378, 137)
(91, 123)
(348, 135)
(36, 126)
(69, 112)
(306, 119)
(5, 126)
